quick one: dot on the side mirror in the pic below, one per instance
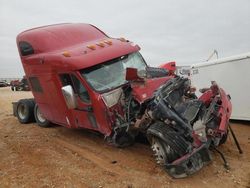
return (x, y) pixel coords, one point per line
(132, 74)
(69, 96)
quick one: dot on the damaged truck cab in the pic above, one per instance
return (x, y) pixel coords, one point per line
(81, 78)
(70, 67)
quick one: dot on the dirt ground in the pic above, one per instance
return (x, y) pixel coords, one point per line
(31, 156)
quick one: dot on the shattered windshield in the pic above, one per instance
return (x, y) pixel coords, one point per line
(111, 74)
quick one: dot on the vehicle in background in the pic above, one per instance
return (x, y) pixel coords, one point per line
(232, 74)
(81, 78)
(17, 85)
(3, 83)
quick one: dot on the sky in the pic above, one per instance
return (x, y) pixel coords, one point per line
(185, 31)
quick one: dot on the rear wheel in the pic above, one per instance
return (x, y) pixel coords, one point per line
(25, 110)
(40, 119)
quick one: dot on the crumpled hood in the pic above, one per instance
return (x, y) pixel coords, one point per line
(145, 90)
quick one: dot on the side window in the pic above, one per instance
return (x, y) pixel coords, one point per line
(35, 84)
(66, 80)
(79, 89)
(25, 48)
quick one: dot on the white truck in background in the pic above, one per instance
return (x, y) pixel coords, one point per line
(232, 74)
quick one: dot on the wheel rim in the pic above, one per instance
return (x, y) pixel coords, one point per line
(159, 152)
(40, 116)
(22, 111)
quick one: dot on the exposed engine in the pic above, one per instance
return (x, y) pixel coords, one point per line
(180, 127)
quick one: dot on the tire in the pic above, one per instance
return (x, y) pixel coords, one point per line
(159, 148)
(175, 145)
(163, 152)
(40, 119)
(171, 151)
(12, 88)
(25, 110)
(19, 88)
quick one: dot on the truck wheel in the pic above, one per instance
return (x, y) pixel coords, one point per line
(18, 88)
(25, 110)
(173, 151)
(168, 146)
(12, 88)
(174, 145)
(40, 119)
(159, 149)
(163, 153)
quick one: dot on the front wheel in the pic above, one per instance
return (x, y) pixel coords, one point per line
(159, 149)
(173, 152)
(40, 119)
(164, 155)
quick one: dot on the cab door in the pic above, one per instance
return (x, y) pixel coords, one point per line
(83, 115)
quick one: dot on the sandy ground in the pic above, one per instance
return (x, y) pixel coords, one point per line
(31, 156)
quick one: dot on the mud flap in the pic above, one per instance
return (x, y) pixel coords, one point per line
(189, 164)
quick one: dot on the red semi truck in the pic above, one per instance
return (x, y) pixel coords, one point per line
(17, 85)
(82, 78)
